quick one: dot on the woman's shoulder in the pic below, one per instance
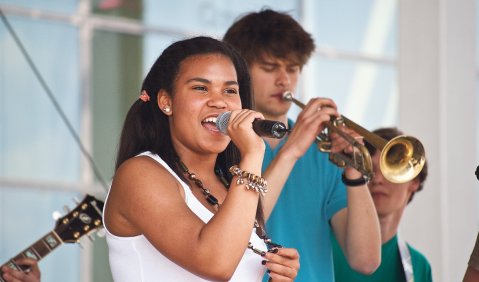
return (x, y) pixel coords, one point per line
(139, 187)
(143, 162)
(140, 171)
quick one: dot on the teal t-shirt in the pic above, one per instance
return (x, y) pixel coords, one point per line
(390, 270)
(312, 194)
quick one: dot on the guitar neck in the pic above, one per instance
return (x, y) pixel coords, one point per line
(37, 251)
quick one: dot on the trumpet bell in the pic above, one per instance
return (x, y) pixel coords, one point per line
(402, 159)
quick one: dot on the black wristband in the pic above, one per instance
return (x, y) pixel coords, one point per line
(353, 182)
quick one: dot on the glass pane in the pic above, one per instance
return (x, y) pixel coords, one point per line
(131, 9)
(364, 92)
(367, 26)
(117, 74)
(211, 17)
(153, 47)
(34, 141)
(51, 5)
(22, 227)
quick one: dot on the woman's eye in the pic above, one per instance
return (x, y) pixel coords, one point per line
(200, 88)
(231, 91)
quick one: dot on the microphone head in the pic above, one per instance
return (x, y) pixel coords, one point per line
(222, 122)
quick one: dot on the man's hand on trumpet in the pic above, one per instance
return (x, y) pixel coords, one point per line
(310, 123)
(339, 145)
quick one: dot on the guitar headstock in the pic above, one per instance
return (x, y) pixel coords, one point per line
(85, 218)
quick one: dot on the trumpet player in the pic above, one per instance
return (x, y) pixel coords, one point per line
(309, 196)
(400, 261)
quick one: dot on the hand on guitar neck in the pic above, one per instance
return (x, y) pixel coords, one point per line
(33, 275)
(84, 219)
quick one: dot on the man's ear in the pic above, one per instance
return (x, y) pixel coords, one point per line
(414, 185)
(164, 102)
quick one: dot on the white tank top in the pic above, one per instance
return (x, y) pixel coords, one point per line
(135, 259)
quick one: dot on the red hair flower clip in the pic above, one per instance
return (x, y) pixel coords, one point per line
(144, 96)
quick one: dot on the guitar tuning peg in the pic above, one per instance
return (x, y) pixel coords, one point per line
(101, 232)
(66, 209)
(56, 215)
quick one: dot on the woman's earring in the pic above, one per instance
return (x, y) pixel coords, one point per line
(167, 109)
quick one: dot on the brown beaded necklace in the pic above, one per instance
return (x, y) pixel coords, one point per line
(212, 200)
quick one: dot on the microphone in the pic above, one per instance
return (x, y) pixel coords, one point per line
(262, 127)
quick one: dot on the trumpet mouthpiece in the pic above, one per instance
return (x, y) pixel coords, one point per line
(288, 95)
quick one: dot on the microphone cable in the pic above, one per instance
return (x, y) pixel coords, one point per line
(55, 103)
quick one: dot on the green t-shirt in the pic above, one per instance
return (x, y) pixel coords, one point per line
(390, 270)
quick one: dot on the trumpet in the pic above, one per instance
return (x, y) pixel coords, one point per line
(401, 159)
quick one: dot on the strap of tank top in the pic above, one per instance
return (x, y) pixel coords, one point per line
(405, 259)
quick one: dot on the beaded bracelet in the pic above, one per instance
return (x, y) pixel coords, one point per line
(353, 182)
(253, 182)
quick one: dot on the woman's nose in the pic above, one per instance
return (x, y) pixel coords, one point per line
(217, 100)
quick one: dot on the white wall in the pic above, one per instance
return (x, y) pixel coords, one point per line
(437, 84)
